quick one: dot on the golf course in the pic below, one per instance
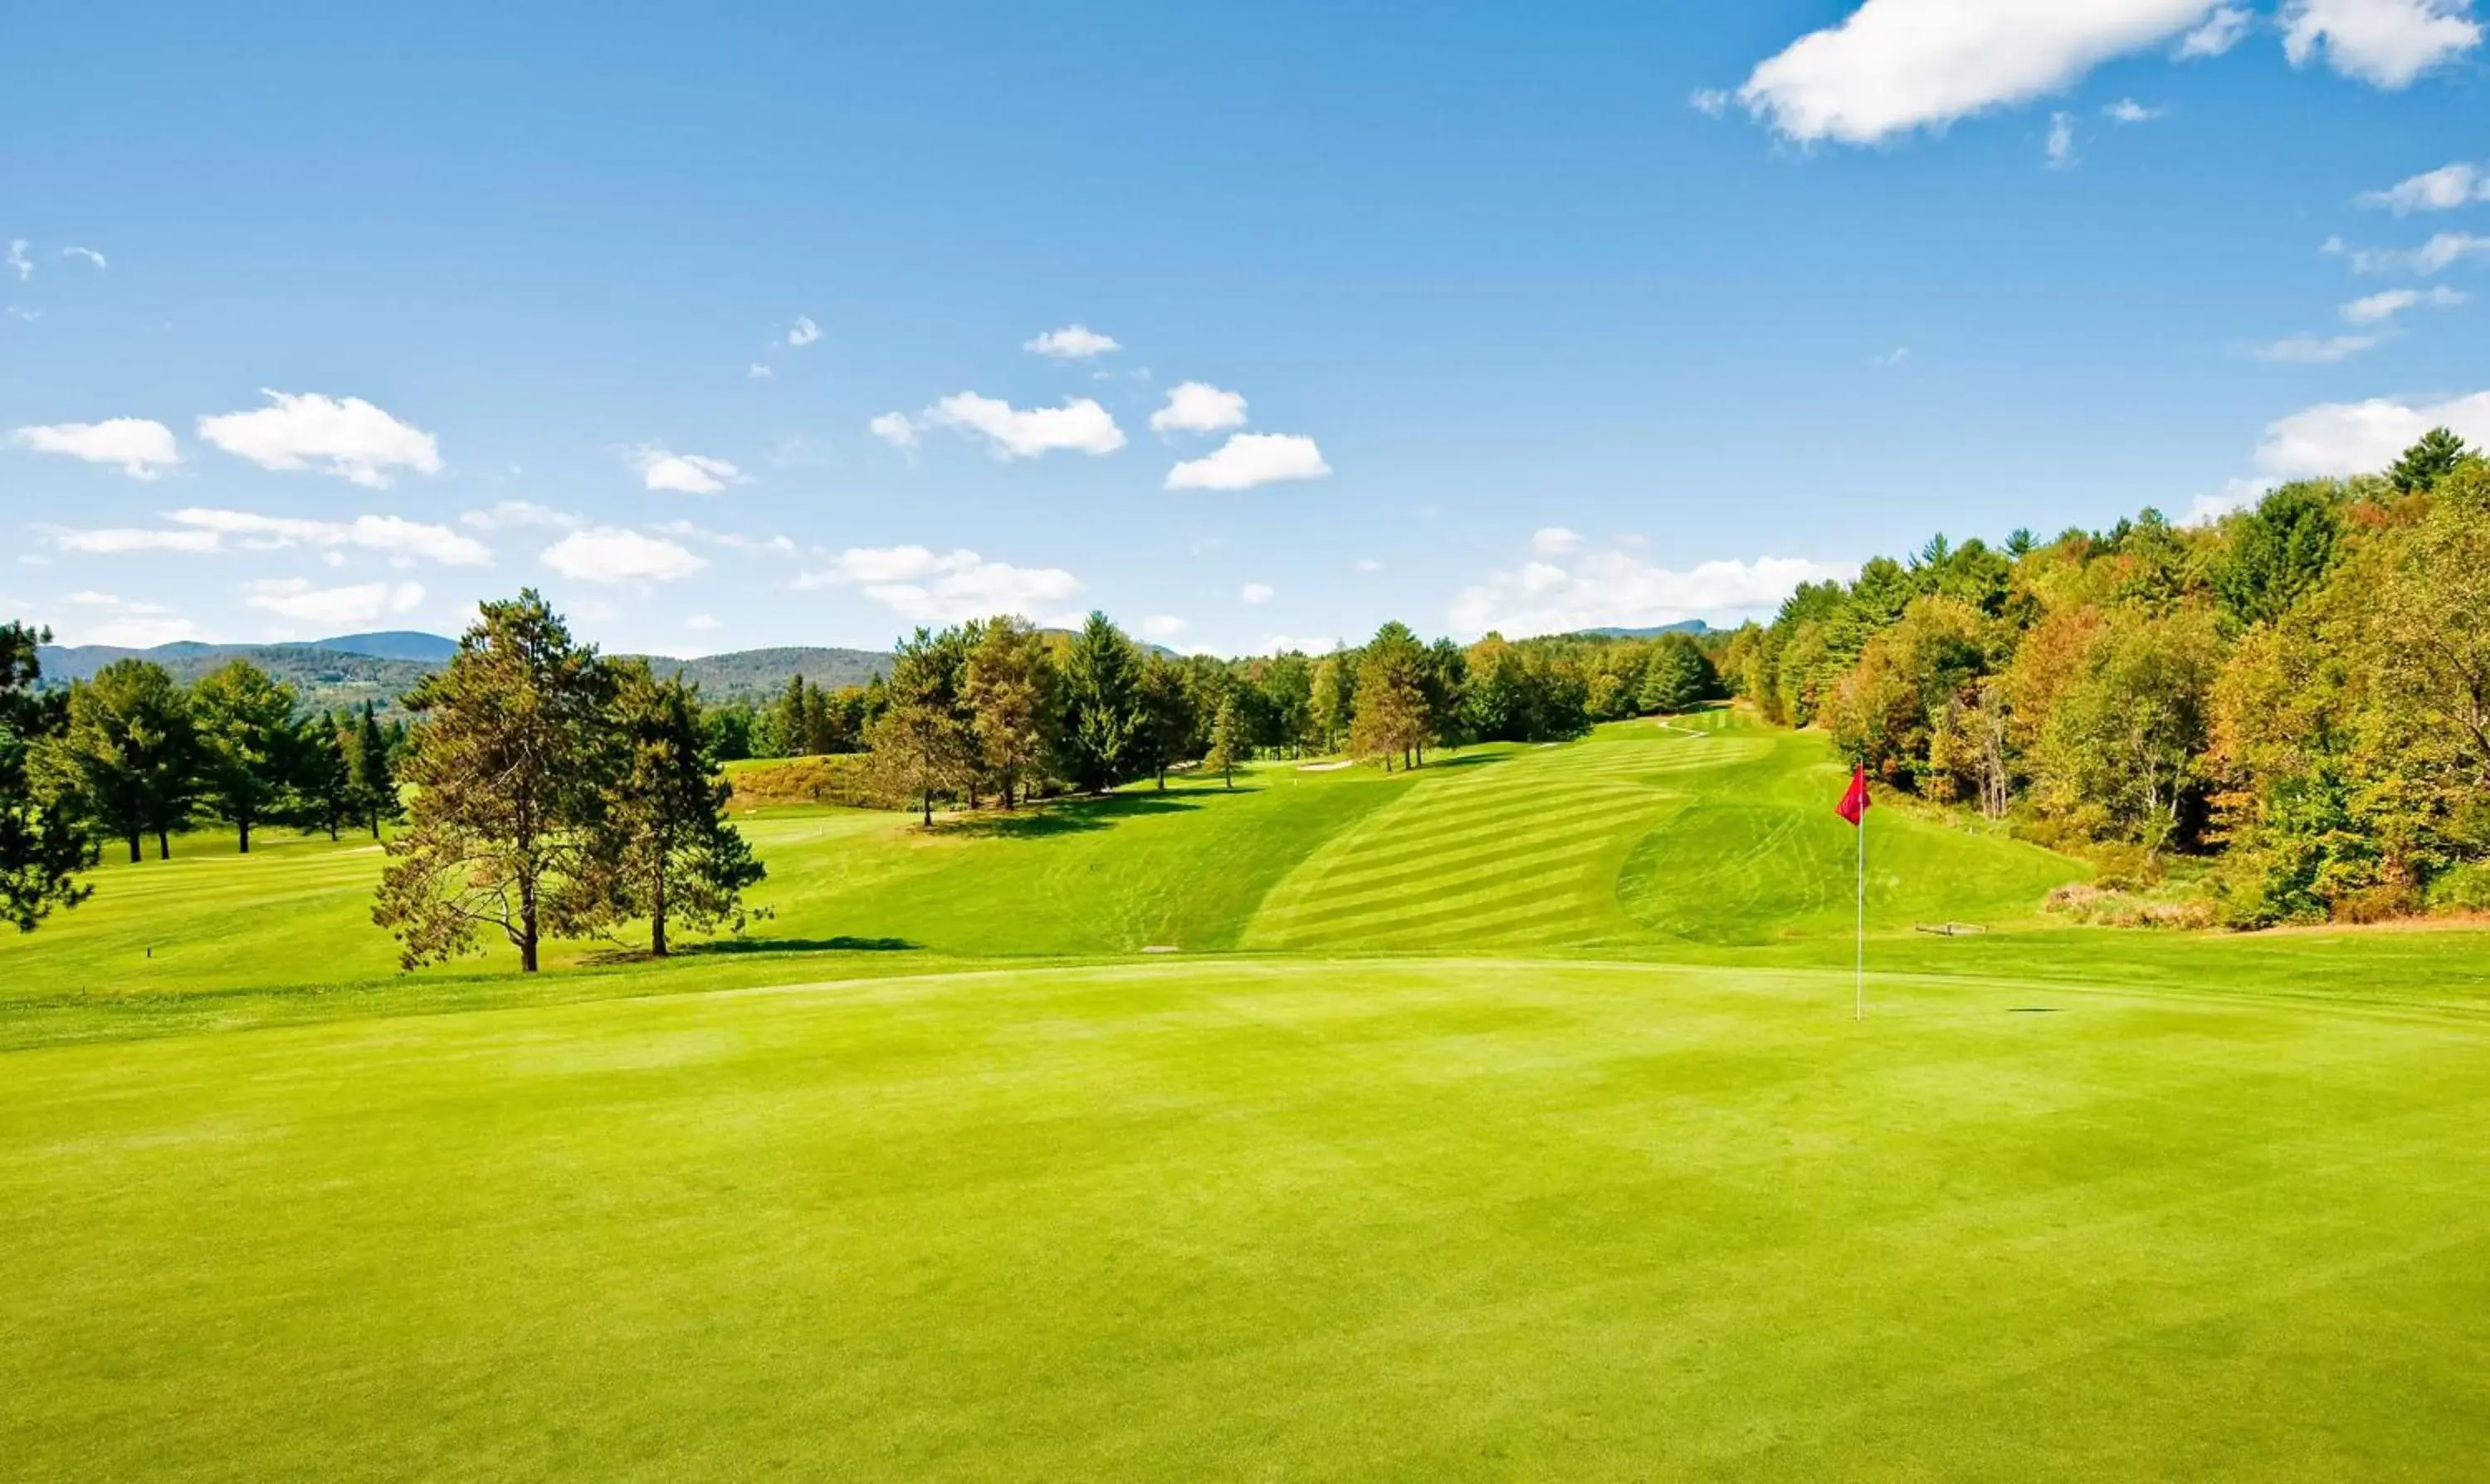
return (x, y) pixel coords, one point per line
(1502, 1118)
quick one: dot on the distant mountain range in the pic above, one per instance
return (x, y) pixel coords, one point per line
(1688, 626)
(350, 669)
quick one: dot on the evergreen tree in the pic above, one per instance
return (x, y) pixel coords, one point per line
(508, 769)
(1228, 743)
(673, 856)
(320, 789)
(42, 848)
(1168, 721)
(1332, 700)
(2426, 462)
(1012, 701)
(795, 718)
(245, 722)
(372, 774)
(1677, 679)
(127, 758)
(1101, 707)
(1391, 718)
(921, 746)
(2278, 552)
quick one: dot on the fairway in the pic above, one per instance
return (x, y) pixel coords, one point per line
(1486, 1220)
(1503, 1120)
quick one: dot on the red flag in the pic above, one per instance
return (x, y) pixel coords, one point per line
(1854, 803)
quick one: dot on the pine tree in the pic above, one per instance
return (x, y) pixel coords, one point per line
(1677, 680)
(1227, 743)
(244, 721)
(2426, 462)
(1167, 719)
(321, 789)
(42, 848)
(129, 759)
(1101, 706)
(795, 718)
(1011, 695)
(508, 768)
(372, 774)
(1390, 717)
(674, 857)
(921, 746)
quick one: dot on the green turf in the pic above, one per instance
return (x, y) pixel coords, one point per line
(1505, 1121)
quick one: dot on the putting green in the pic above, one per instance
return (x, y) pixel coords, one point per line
(1260, 1219)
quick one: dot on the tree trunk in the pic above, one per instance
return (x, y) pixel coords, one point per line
(527, 924)
(658, 914)
(164, 846)
(244, 826)
(134, 852)
(929, 806)
(1162, 777)
(376, 824)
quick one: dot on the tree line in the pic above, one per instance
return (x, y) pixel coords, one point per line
(996, 712)
(2296, 696)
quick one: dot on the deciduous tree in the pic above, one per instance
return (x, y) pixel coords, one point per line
(244, 721)
(42, 848)
(128, 758)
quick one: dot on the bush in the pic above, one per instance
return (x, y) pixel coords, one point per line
(2099, 906)
(833, 779)
(2381, 903)
(2463, 888)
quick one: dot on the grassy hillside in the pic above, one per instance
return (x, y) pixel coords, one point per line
(1505, 1119)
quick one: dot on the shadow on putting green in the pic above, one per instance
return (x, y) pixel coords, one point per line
(1083, 816)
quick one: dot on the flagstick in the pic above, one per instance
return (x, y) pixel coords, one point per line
(1858, 992)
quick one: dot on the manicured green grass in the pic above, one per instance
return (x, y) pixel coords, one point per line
(1462, 1219)
(1502, 1120)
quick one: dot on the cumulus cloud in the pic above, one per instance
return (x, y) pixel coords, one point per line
(1595, 589)
(1894, 65)
(2345, 438)
(123, 622)
(703, 624)
(2384, 43)
(1555, 542)
(516, 514)
(759, 373)
(926, 587)
(613, 554)
(1163, 627)
(803, 331)
(1710, 102)
(143, 449)
(2061, 146)
(88, 253)
(1072, 342)
(1199, 407)
(2442, 251)
(2444, 189)
(2379, 308)
(1368, 564)
(18, 260)
(2317, 350)
(1016, 432)
(683, 474)
(1248, 459)
(347, 437)
(202, 530)
(292, 597)
(2126, 110)
(1256, 592)
(897, 430)
(2222, 31)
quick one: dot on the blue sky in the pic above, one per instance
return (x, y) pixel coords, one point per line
(719, 328)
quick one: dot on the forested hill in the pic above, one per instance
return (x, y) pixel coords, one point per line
(353, 668)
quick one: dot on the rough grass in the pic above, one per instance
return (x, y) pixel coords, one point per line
(1505, 1121)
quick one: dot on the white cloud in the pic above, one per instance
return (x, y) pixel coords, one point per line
(1711, 102)
(2379, 308)
(516, 514)
(1248, 459)
(1013, 432)
(2126, 110)
(612, 554)
(18, 260)
(2384, 43)
(2223, 30)
(1891, 359)
(400, 539)
(1199, 407)
(1288, 644)
(803, 331)
(924, 586)
(88, 253)
(703, 624)
(292, 597)
(349, 437)
(125, 623)
(1072, 342)
(683, 474)
(2444, 189)
(1598, 589)
(2061, 148)
(896, 429)
(2317, 350)
(143, 449)
(122, 541)
(2442, 251)
(760, 372)
(2234, 495)
(2347, 438)
(1368, 564)
(1894, 65)
(1555, 542)
(1256, 592)
(1164, 629)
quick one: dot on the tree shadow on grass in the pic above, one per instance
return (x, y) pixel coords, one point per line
(1070, 816)
(727, 946)
(1466, 760)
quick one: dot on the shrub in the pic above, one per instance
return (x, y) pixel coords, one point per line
(2463, 888)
